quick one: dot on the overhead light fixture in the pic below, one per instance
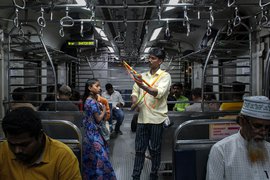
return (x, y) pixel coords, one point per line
(155, 33)
(81, 2)
(111, 49)
(101, 33)
(171, 2)
(179, 2)
(146, 50)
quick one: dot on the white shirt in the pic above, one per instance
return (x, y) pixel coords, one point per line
(228, 160)
(114, 98)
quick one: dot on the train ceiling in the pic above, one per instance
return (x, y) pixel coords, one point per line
(129, 24)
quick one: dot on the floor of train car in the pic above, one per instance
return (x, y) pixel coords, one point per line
(122, 154)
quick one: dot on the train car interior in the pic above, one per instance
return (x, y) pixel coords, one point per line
(220, 46)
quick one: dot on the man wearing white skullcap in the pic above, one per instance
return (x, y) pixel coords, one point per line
(246, 154)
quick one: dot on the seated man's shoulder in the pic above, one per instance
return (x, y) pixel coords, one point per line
(227, 141)
(117, 92)
(3, 146)
(5, 153)
(59, 147)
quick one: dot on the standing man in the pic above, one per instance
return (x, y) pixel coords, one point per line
(152, 113)
(28, 153)
(117, 102)
(245, 155)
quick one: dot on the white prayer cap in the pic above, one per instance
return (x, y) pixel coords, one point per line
(256, 106)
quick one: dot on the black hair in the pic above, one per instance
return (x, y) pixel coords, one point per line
(208, 89)
(18, 94)
(197, 92)
(238, 89)
(157, 52)
(238, 86)
(76, 96)
(108, 86)
(22, 120)
(178, 84)
(88, 83)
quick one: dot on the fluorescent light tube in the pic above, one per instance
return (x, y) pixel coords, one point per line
(155, 33)
(111, 49)
(146, 50)
(81, 2)
(101, 33)
(171, 2)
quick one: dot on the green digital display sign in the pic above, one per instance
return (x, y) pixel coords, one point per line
(80, 43)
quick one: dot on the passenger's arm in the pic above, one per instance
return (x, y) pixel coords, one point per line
(98, 116)
(106, 103)
(134, 99)
(150, 90)
(215, 165)
(108, 111)
(164, 83)
(121, 102)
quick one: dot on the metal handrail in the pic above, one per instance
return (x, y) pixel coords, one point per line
(266, 76)
(65, 122)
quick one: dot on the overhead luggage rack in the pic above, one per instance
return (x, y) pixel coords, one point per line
(225, 60)
(29, 63)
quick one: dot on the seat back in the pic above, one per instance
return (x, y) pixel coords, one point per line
(202, 131)
(75, 117)
(190, 154)
(66, 132)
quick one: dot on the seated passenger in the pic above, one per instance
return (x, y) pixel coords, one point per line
(171, 97)
(117, 101)
(210, 96)
(245, 155)
(181, 104)
(196, 95)
(50, 97)
(28, 153)
(64, 103)
(75, 96)
(19, 95)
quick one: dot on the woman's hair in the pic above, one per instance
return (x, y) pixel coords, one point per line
(22, 120)
(87, 92)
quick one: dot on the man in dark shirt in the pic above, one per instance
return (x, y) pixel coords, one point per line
(64, 103)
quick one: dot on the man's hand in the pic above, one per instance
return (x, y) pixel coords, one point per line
(138, 79)
(103, 108)
(120, 105)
